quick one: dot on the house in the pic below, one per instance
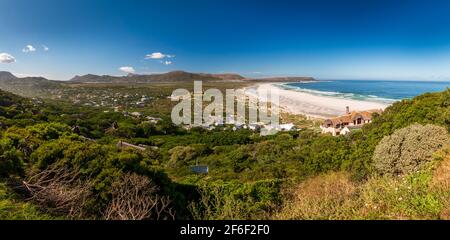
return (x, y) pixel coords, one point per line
(287, 127)
(123, 145)
(136, 114)
(144, 98)
(153, 119)
(343, 125)
(199, 169)
(344, 131)
(215, 120)
(254, 126)
(187, 127)
(140, 104)
(238, 126)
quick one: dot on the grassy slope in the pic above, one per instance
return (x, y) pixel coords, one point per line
(422, 195)
(12, 208)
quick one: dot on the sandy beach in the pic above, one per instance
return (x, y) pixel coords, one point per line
(311, 105)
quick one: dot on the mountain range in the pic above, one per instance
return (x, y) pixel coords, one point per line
(175, 76)
(27, 86)
(36, 86)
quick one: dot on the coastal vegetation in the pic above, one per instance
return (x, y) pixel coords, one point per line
(61, 160)
(407, 149)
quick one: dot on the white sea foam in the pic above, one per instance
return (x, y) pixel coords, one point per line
(353, 96)
(317, 103)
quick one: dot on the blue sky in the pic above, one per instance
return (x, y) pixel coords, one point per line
(325, 39)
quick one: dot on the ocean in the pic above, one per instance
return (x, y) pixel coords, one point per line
(368, 90)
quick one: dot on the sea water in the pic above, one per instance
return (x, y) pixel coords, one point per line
(368, 90)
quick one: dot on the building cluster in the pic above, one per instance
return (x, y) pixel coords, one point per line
(217, 122)
(352, 120)
(102, 97)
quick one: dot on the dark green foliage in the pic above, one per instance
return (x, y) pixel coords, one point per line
(234, 200)
(11, 159)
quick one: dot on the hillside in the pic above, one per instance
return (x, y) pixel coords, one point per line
(27, 86)
(257, 176)
(6, 76)
(42, 87)
(180, 76)
(175, 76)
(11, 105)
(20, 111)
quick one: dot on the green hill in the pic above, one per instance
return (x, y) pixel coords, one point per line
(250, 176)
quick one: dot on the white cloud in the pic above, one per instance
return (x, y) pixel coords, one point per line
(6, 58)
(158, 55)
(28, 49)
(155, 55)
(127, 69)
(45, 48)
(167, 62)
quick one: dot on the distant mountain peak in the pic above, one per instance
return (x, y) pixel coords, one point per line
(83, 76)
(6, 75)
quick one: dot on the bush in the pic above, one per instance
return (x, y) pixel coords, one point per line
(11, 159)
(407, 149)
(49, 152)
(136, 197)
(13, 209)
(49, 131)
(236, 201)
(182, 155)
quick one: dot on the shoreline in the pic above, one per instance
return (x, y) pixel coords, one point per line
(313, 106)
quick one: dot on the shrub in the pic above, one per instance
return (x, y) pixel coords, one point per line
(181, 155)
(49, 152)
(407, 149)
(136, 197)
(49, 131)
(59, 190)
(236, 201)
(11, 159)
(13, 209)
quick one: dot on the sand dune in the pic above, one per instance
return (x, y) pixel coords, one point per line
(313, 105)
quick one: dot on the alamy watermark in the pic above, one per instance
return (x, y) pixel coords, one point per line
(207, 108)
